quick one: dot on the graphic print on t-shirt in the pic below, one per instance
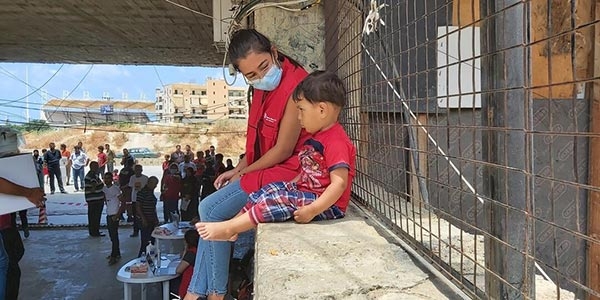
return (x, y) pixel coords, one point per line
(314, 175)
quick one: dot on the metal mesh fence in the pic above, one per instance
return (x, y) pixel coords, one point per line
(474, 125)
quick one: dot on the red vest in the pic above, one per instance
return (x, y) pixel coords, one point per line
(265, 114)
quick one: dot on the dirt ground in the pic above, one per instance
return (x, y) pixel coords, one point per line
(227, 136)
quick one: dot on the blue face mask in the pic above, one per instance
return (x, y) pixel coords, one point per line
(270, 81)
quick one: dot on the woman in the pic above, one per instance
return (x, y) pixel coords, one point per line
(273, 139)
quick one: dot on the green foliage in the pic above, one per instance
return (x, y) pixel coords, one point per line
(34, 126)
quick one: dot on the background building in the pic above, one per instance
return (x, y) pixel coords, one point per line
(192, 103)
(71, 112)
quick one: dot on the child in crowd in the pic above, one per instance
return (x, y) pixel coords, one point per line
(115, 176)
(185, 268)
(114, 209)
(322, 189)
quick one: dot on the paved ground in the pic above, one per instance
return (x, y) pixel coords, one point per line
(62, 262)
(70, 209)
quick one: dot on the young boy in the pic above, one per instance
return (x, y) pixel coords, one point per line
(322, 189)
(114, 209)
(185, 268)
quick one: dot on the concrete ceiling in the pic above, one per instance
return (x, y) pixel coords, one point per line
(107, 32)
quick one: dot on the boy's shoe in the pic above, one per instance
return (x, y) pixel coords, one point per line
(26, 232)
(117, 257)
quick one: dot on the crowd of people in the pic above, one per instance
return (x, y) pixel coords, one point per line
(298, 165)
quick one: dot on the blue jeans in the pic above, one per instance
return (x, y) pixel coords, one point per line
(79, 173)
(3, 268)
(212, 259)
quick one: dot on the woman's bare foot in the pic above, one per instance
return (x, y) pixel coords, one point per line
(216, 231)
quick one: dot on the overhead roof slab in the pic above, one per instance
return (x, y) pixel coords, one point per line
(141, 32)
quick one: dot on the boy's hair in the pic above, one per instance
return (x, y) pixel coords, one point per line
(321, 86)
(191, 238)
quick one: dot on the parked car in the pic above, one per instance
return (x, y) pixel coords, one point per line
(141, 152)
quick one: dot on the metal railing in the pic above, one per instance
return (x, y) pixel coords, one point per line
(477, 144)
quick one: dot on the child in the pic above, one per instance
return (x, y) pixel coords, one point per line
(115, 176)
(170, 189)
(322, 189)
(114, 209)
(186, 266)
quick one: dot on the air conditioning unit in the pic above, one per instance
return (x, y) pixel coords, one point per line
(222, 17)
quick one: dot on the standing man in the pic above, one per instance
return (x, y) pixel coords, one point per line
(102, 160)
(78, 162)
(188, 151)
(52, 159)
(124, 177)
(39, 167)
(177, 156)
(146, 210)
(212, 152)
(94, 196)
(110, 156)
(137, 182)
(127, 158)
(66, 155)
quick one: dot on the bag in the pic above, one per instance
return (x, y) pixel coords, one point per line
(240, 285)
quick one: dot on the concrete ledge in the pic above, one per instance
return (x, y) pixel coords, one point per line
(343, 259)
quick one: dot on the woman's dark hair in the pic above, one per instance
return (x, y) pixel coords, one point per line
(245, 41)
(321, 86)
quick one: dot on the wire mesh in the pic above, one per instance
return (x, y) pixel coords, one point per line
(474, 125)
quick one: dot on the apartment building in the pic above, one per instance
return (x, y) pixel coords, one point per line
(193, 103)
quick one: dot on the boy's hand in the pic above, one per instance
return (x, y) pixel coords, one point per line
(304, 214)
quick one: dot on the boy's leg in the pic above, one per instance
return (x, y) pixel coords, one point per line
(272, 204)
(113, 233)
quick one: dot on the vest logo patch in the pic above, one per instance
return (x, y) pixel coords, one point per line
(269, 119)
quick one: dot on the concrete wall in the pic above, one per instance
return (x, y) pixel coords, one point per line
(300, 35)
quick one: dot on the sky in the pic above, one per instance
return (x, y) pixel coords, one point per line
(71, 81)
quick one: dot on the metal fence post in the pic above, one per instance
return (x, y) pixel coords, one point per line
(507, 146)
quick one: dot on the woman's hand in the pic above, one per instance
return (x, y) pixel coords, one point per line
(36, 196)
(225, 177)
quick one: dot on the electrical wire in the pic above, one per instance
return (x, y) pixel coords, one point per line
(6, 101)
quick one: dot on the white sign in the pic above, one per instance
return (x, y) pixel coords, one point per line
(19, 169)
(459, 74)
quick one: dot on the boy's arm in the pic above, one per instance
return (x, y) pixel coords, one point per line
(339, 182)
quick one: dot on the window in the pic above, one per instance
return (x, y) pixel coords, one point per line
(175, 92)
(193, 92)
(176, 110)
(213, 83)
(213, 102)
(203, 93)
(213, 92)
(193, 110)
(224, 96)
(204, 111)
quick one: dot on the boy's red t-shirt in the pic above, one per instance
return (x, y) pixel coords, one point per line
(186, 277)
(322, 153)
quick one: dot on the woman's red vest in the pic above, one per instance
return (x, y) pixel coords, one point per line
(265, 114)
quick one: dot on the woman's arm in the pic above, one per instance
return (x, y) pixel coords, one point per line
(34, 195)
(289, 131)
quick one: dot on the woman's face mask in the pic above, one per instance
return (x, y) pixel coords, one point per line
(270, 81)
